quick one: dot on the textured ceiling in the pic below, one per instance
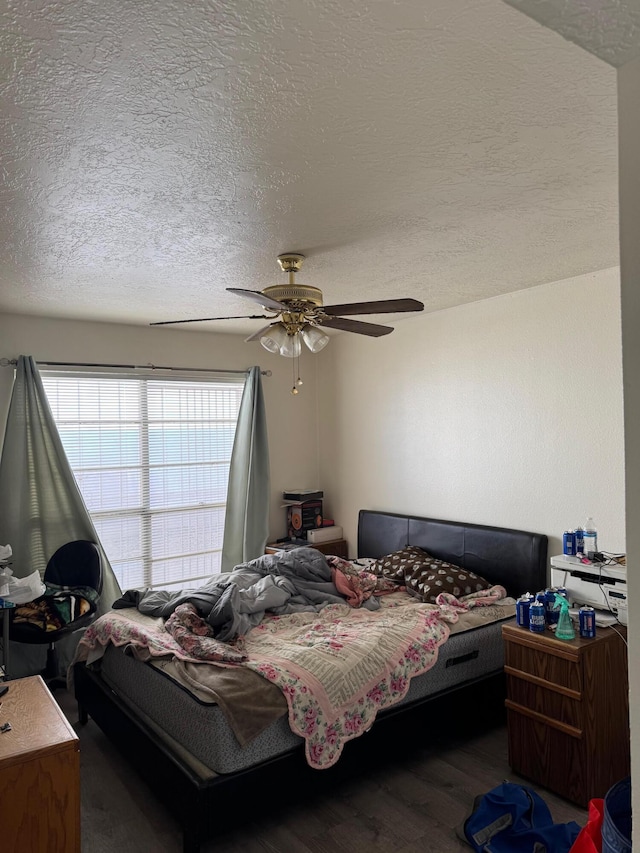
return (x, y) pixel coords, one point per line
(155, 153)
(609, 29)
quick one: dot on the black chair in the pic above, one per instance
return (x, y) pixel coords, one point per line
(76, 564)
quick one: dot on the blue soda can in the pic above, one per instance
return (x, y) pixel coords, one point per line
(562, 590)
(579, 534)
(537, 621)
(552, 615)
(522, 609)
(569, 543)
(587, 616)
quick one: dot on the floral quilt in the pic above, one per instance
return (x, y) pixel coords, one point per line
(121, 628)
(337, 668)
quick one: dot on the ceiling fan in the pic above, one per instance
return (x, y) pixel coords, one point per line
(298, 313)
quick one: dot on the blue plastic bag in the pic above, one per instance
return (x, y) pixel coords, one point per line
(514, 819)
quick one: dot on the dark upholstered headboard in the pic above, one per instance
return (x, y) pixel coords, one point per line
(514, 558)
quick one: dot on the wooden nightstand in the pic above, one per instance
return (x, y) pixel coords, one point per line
(337, 547)
(39, 772)
(568, 711)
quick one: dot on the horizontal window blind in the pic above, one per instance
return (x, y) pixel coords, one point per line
(151, 456)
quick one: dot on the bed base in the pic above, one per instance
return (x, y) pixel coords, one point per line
(197, 804)
(514, 558)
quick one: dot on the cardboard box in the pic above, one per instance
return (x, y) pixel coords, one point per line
(303, 516)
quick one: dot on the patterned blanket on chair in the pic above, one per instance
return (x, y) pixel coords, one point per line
(57, 607)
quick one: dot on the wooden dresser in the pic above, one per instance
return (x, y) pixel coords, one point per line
(568, 710)
(39, 772)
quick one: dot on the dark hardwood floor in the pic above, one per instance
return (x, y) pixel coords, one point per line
(407, 798)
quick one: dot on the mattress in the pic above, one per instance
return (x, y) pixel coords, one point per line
(203, 732)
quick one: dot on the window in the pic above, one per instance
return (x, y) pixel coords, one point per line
(151, 457)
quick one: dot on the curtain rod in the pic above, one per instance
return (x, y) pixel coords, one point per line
(11, 362)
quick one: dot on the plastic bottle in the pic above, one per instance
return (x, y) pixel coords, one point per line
(564, 631)
(590, 537)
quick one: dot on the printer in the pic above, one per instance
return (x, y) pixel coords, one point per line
(601, 586)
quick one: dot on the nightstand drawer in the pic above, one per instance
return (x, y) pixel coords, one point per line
(544, 668)
(335, 547)
(551, 758)
(558, 706)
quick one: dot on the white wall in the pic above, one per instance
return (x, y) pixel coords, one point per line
(629, 133)
(505, 412)
(480, 413)
(291, 420)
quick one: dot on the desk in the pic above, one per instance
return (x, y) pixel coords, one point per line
(5, 615)
(39, 773)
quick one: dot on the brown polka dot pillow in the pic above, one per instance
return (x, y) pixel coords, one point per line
(431, 577)
(397, 565)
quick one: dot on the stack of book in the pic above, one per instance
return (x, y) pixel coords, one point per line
(300, 495)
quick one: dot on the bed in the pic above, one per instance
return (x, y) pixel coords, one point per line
(165, 730)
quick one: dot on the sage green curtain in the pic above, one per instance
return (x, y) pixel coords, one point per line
(246, 527)
(41, 507)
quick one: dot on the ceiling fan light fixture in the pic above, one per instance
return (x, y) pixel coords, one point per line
(291, 346)
(274, 338)
(314, 338)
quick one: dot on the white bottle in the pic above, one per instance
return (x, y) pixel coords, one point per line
(590, 536)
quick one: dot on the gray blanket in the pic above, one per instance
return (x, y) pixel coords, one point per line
(234, 602)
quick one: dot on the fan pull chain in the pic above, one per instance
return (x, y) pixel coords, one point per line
(296, 369)
(298, 380)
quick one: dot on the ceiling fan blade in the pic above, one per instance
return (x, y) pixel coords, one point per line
(206, 319)
(257, 335)
(382, 306)
(372, 329)
(260, 298)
